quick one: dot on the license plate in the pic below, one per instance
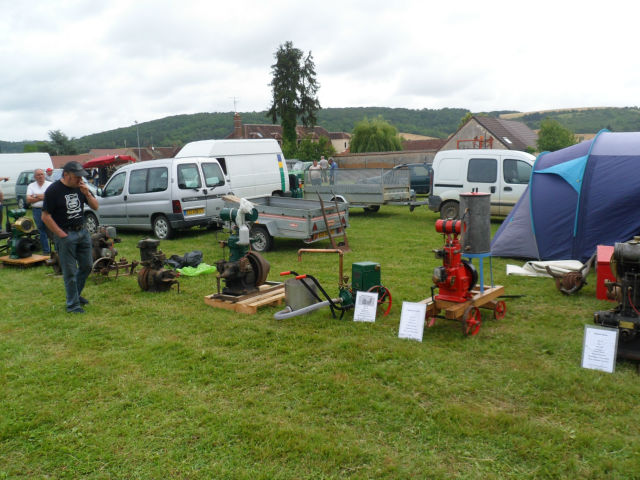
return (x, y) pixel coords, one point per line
(194, 211)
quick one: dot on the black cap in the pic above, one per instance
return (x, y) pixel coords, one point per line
(75, 168)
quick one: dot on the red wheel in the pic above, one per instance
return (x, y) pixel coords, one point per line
(471, 321)
(500, 310)
(384, 298)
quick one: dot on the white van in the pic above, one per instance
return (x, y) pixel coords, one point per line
(162, 196)
(11, 164)
(253, 168)
(502, 173)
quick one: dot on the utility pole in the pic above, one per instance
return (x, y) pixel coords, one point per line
(138, 137)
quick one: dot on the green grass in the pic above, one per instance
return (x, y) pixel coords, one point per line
(164, 386)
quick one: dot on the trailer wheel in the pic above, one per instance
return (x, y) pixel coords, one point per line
(372, 208)
(449, 209)
(262, 240)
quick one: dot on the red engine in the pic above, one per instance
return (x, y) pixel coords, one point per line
(456, 277)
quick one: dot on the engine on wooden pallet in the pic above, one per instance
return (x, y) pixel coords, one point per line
(24, 239)
(245, 270)
(625, 265)
(154, 277)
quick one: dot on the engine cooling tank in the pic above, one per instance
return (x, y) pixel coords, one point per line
(475, 212)
(296, 294)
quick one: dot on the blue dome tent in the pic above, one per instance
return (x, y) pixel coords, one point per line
(578, 197)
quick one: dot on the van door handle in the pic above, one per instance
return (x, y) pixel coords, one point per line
(507, 189)
(125, 198)
(204, 190)
(493, 189)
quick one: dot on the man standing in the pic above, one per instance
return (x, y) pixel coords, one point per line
(315, 173)
(62, 213)
(6, 179)
(333, 166)
(324, 165)
(35, 196)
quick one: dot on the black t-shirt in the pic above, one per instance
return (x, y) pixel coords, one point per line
(64, 204)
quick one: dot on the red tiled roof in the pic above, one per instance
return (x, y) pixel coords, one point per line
(59, 161)
(434, 144)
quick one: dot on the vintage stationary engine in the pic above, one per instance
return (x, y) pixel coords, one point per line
(24, 241)
(245, 270)
(154, 277)
(456, 277)
(625, 265)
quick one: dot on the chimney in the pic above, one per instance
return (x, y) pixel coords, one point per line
(237, 126)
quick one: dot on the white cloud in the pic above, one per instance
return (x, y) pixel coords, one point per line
(85, 67)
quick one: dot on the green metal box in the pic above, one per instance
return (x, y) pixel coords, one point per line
(365, 275)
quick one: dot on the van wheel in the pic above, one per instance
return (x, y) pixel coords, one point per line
(162, 228)
(91, 222)
(450, 209)
(372, 208)
(262, 240)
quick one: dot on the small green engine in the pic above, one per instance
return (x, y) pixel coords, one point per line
(364, 275)
(22, 245)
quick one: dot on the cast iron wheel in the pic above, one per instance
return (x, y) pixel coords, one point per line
(91, 221)
(260, 267)
(263, 242)
(471, 321)
(101, 268)
(500, 310)
(162, 228)
(384, 298)
(449, 209)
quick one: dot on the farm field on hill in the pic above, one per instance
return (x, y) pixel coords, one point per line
(164, 386)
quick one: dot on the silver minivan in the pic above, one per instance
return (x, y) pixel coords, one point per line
(163, 195)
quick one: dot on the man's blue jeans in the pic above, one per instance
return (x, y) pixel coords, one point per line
(44, 240)
(76, 262)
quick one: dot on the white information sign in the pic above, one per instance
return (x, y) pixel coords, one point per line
(412, 320)
(599, 348)
(366, 307)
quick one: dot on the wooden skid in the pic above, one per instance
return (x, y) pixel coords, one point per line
(270, 294)
(31, 261)
(454, 311)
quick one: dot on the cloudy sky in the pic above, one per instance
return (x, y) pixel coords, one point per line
(84, 66)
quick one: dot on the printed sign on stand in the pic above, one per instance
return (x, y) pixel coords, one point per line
(412, 320)
(599, 348)
(366, 307)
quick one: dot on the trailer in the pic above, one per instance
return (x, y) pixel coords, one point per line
(368, 188)
(298, 218)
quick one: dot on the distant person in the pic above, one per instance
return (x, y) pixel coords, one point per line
(4, 179)
(324, 165)
(333, 166)
(315, 173)
(35, 197)
(62, 213)
(49, 175)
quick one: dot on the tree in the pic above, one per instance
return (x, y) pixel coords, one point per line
(375, 135)
(465, 119)
(59, 144)
(309, 150)
(553, 136)
(294, 89)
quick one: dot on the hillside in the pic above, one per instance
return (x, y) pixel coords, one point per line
(180, 129)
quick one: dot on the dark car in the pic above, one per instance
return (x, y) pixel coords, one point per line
(419, 176)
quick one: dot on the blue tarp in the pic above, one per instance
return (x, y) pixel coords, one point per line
(578, 197)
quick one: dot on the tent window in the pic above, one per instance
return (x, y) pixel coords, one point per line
(482, 170)
(516, 171)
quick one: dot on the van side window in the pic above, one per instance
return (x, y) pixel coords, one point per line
(115, 185)
(188, 176)
(138, 180)
(213, 176)
(516, 171)
(223, 164)
(158, 179)
(482, 170)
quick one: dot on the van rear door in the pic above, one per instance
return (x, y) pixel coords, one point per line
(191, 191)
(515, 178)
(216, 187)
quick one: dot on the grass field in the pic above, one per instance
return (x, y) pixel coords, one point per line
(152, 386)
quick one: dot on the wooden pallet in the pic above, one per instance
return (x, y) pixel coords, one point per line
(269, 294)
(31, 261)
